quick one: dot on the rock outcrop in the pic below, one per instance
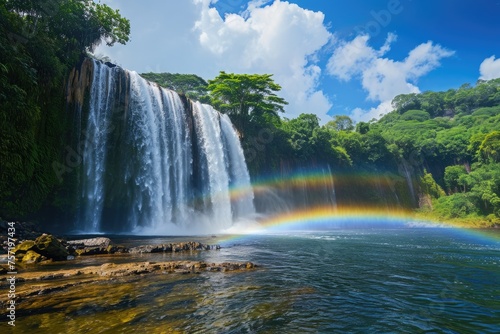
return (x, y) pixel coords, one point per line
(50, 247)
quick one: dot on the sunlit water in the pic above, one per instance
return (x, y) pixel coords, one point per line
(344, 281)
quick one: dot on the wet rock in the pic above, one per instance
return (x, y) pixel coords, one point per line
(91, 251)
(174, 248)
(48, 246)
(92, 242)
(32, 257)
(92, 246)
(116, 249)
(21, 249)
(147, 249)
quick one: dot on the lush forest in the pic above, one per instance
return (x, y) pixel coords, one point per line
(439, 152)
(40, 42)
(444, 146)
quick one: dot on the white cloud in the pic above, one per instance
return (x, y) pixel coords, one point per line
(361, 115)
(381, 77)
(490, 68)
(281, 38)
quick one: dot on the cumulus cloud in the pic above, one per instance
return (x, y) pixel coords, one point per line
(280, 38)
(383, 78)
(362, 115)
(490, 68)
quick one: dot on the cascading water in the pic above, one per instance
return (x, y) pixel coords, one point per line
(155, 163)
(94, 153)
(239, 179)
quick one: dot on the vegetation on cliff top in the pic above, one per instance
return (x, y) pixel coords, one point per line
(40, 42)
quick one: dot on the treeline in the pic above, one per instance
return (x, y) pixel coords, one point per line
(40, 42)
(444, 147)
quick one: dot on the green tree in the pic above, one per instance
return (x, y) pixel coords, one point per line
(300, 134)
(415, 115)
(405, 102)
(490, 147)
(363, 127)
(454, 178)
(341, 123)
(242, 95)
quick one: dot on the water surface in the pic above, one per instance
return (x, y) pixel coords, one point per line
(343, 281)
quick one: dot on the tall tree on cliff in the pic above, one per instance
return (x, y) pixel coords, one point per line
(245, 95)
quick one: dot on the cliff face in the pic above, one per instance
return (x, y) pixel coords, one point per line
(141, 156)
(74, 129)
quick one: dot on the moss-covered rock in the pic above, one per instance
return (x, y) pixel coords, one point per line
(21, 249)
(32, 257)
(48, 246)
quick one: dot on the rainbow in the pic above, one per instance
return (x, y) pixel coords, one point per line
(328, 217)
(331, 218)
(315, 179)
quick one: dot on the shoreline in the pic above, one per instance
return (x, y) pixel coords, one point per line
(35, 283)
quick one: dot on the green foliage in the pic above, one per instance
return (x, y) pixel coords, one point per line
(341, 123)
(464, 100)
(458, 205)
(405, 102)
(362, 127)
(191, 85)
(490, 147)
(244, 95)
(40, 41)
(415, 115)
(430, 187)
(454, 178)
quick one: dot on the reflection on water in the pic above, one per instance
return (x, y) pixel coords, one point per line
(401, 280)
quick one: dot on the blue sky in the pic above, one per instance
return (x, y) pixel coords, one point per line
(330, 56)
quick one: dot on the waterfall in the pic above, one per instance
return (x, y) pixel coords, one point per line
(153, 162)
(95, 150)
(239, 179)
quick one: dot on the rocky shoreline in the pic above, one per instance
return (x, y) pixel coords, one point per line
(36, 283)
(30, 246)
(33, 250)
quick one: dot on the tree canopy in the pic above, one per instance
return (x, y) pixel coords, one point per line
(244, 94)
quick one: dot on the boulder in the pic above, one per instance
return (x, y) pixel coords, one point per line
(92, 242)
(32, 257)
(21, 249)
(48, 246)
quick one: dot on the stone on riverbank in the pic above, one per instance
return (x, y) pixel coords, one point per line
(21, 249)
(179, 247)
(48, 246)
(92, 242)
(32, 257)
